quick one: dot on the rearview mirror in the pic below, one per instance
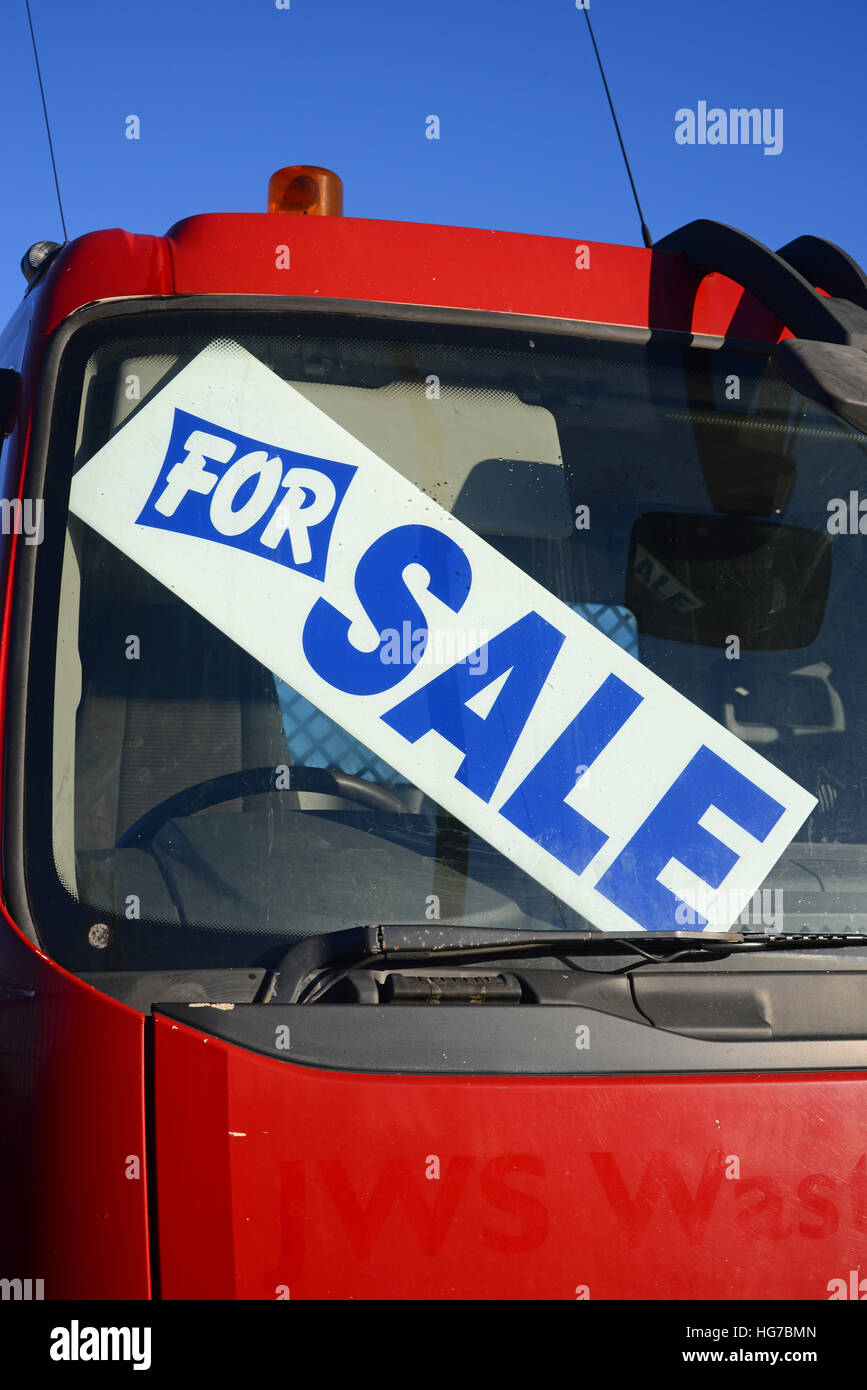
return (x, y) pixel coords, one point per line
(704, 579)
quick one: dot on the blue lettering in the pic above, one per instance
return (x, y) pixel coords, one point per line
(672, 831)
(527, 651)
(225, 487)
(388, 603)
(538, 806)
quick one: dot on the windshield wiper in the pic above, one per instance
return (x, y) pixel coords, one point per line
(313, 967)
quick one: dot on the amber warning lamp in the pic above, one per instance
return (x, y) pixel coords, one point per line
(307, 189)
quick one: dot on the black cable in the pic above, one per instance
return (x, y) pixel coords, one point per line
(322, 983)
(47, 124)
(645, 232)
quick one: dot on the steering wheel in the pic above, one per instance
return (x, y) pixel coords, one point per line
(250, 781)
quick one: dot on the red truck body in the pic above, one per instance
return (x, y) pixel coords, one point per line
(259, 1178)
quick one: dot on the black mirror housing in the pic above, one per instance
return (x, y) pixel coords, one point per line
(834, 374)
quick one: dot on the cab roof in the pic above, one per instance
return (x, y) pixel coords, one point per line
(340, 258)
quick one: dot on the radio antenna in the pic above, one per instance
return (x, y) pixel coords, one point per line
(645, 233)
(47, 123)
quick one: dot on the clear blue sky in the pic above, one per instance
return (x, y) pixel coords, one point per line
(229, 90)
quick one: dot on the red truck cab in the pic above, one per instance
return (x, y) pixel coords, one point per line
(277, 1019)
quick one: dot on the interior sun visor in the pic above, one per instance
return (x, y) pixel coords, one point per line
(485, 456)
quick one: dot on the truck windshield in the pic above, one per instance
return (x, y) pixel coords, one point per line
(683, 499)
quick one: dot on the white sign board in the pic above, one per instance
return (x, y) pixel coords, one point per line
(403, 626)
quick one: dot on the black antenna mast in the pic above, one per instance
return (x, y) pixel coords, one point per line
(47, 125)
(645, 233)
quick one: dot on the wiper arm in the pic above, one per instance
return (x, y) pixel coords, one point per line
(322, 962)
(314, 966)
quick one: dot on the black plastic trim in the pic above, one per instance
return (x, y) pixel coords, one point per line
(139, 988)
(830, 373)
(496, 1040)
(775, 282)
(829, 266)
(10, 385)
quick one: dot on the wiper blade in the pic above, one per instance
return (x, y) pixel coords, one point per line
(425, 942)
(797, 941)
(384, 947)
